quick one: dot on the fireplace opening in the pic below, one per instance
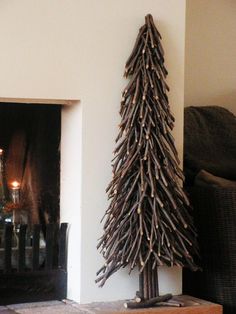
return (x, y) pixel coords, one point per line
(30, 148)
(33, 250)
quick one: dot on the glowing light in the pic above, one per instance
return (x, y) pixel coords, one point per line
(15, 185)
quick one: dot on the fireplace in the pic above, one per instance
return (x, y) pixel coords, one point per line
(33, 259)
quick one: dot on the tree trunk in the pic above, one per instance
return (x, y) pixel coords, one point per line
(148, 282)
(148, 294)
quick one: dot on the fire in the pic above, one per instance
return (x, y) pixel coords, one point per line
(15, 185)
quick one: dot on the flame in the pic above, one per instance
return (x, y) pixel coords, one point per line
(15, 184)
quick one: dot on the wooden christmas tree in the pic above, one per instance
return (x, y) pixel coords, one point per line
(148, 222)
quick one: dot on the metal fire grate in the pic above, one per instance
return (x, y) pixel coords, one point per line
(36, 270)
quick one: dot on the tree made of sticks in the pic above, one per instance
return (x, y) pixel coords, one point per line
(148, 222)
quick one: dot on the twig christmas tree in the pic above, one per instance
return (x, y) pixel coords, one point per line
(148, 222)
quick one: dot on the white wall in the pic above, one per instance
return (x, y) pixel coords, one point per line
(210, 68)
(77, 49)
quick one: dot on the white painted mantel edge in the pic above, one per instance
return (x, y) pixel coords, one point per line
(44, 101)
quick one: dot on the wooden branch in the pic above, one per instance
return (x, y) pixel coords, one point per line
(148, 303)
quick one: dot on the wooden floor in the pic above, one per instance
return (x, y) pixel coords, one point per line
(193, 306)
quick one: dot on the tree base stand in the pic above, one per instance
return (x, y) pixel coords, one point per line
(148, 294)
(142, 303)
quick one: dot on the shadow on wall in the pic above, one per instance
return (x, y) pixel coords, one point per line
(227, 100)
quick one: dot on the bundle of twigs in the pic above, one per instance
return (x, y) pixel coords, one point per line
(148, 222)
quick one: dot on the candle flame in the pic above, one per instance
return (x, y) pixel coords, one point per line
(15, 184)
(1, 151)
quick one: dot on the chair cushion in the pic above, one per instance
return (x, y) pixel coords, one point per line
(206, 179)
